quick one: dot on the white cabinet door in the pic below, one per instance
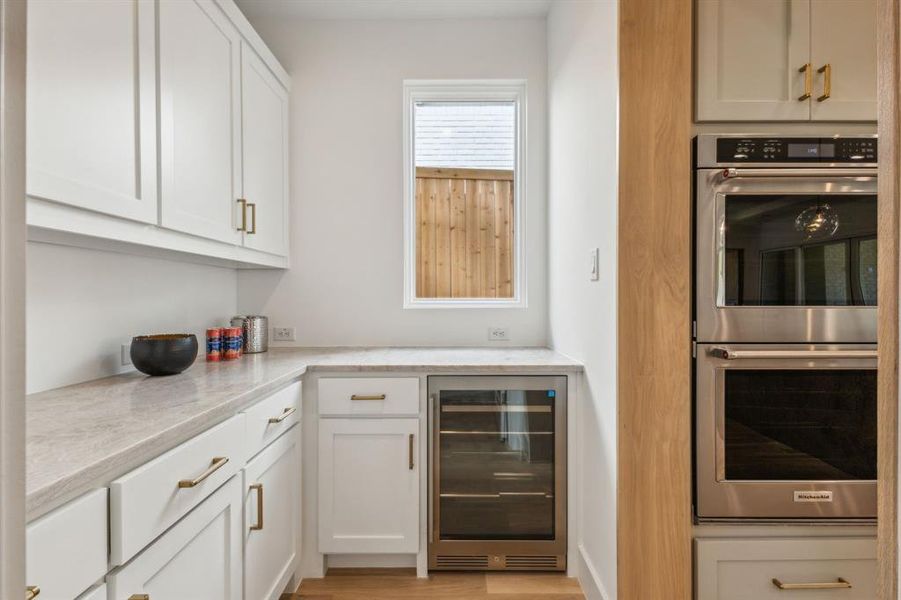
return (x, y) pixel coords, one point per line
(748, 60)
(843, 36)
(199, 558)
(271, 502)
(91, 122)
(265, 155)
(199, 75)
(368, 486)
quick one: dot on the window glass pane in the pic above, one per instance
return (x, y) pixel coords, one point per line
(464, 156)
(799, 250)
(811, 424)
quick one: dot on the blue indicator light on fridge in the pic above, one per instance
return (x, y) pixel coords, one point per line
(551, 394)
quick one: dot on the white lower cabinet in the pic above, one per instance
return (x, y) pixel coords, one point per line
(199, 558)
(369, 486)
(97, 593)
(810, 568)
(67, 549)
(271, 516)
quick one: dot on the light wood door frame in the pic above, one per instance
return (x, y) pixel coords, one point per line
(654, 301)
(888, 52)
(12, 298)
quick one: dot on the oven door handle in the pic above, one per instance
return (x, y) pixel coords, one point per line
(727, 354)
(733, 173)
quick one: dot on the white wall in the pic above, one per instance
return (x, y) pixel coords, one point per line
(582, 199)
(83, 304)
(345, 286)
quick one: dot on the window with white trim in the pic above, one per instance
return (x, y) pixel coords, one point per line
(464, 193)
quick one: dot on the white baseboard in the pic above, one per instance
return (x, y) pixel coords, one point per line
(370, 561)
(589, 579)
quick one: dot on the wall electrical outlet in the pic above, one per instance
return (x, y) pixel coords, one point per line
(126, 354)
(498, 334)
(282, 334)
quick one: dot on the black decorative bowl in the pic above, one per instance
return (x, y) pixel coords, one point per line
(163, 354)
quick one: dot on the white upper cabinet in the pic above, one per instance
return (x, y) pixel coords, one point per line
(748, 57)
(199, 74)
(91, 95)
(766, 60)
(265, 155)
(843, 54)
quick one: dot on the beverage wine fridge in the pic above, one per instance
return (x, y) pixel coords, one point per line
(498, 476)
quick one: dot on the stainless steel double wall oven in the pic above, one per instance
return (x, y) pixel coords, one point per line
(785, 327)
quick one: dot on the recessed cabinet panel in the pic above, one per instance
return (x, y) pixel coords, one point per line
(91, 92)
(198, 558)
(368, 486)
(265, 157)
(748, 60)
(199, 74)
(843, 36)
(271, 508)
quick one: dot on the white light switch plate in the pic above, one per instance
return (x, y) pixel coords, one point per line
(594, 264)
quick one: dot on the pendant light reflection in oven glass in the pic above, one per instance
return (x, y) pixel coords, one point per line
(817, 222)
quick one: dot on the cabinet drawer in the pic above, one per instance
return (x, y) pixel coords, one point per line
(749, 569)
(150, 499)
(369, 396)
(272, 417)
(67, 549)
(198, 559)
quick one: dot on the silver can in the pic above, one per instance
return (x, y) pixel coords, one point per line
(256, 332)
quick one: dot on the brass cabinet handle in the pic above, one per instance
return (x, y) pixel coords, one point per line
(807, 69)
(243, 204)
(287, 413)
(253, 218)
(139, 597)
(218, 463)
(259, 489)
(374, 397)
(32, 591)
(411, 452)
(841, 583)
(827, 82)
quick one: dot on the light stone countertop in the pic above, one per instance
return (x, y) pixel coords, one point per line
(83, 436)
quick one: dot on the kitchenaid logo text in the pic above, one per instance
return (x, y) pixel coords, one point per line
(813, 496)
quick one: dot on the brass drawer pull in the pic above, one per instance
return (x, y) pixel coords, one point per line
(840, 583)
(827, 82)
(412, 464)
(32, 591)
(375, 397)
(287, 413)
(243, 204)
(218, 463)
(253, 218)
(139, 597)
(808, 82)
(259, 489)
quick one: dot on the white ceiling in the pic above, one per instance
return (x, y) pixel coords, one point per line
(393, 9)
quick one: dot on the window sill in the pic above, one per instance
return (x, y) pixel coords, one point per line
(418, 303)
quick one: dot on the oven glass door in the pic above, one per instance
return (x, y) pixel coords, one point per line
(799, 424)
(786, 431)
(798, 250)
(786, 259)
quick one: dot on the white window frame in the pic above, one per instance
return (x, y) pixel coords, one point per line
(469, 90)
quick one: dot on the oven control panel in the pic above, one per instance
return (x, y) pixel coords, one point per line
(848, 149)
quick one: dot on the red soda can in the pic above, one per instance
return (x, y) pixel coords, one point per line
(232, 344)
(214, 344)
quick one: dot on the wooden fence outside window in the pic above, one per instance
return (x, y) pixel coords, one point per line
(464, 233)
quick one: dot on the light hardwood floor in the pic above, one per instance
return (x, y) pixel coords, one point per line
(402, 584)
